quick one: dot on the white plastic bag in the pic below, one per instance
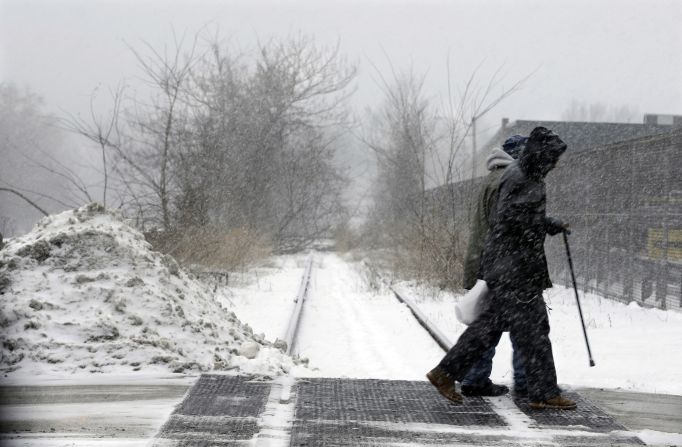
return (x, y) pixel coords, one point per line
(472, 303)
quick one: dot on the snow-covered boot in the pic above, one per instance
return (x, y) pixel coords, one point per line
(444, 384)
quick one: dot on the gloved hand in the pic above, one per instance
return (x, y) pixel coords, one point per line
(556, 226)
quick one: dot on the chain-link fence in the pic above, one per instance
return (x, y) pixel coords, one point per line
(624, 204)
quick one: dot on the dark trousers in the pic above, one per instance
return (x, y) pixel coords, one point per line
(523, 313)
(479, 374)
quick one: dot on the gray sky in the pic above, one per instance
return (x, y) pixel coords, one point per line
(619, 52)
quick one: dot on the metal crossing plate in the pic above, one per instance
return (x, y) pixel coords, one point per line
(216, 395)
(351, 433)
(231, 410)
(388, 401)
(586, 416)
(380, 412)
(218, 410)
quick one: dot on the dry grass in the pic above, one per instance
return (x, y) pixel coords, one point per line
(211, 248)
(345, 239)
(433, 256)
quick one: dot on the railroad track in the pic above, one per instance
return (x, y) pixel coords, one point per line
(433, 331)
(301, 297)
(300, 411)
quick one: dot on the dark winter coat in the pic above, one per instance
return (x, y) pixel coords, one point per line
(514, 255)
(480, 223)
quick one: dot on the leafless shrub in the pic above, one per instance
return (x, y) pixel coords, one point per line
(419, 147)
(212, 248)
(230, 140)
(345, 238)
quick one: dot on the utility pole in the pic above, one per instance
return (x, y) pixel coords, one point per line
(473, 165)
(473, 148)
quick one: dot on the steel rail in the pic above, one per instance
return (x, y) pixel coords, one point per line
(295, 319)
(441, 339)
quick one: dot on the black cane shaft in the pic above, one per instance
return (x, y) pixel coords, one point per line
(577, 299)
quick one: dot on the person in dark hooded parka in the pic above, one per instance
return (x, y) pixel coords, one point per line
(515, 268)
(477, 381)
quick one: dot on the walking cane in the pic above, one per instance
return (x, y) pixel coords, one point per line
(575, 288)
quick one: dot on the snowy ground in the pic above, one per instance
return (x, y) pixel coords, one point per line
(85, 415)
(635, 348)
(264, 296)
(84, 295)
(89, 302)
(86, 302)
(349, 329)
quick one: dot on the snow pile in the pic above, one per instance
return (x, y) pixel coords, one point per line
(84, 293)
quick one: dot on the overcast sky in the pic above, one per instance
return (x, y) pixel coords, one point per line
(618, 52)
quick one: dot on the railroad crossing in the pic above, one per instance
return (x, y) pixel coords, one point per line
(222, 410)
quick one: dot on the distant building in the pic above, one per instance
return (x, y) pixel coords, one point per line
(580, 135)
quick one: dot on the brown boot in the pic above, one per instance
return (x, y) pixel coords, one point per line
(444, 384)
(558, 402)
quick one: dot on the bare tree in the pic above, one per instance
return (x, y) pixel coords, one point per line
(140, 137)
(28, 139)
(168, 72)
(26, 199)
(240, 143)
(403, 138)
(104, 132)
(420, 148)
(263, 134)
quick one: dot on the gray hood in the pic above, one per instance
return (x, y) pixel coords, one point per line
(498, 159)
